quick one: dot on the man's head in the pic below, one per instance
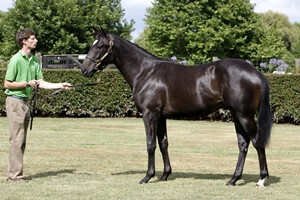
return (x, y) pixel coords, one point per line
(26, 37)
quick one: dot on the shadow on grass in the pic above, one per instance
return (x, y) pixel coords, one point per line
(51, 173)
(247, 178)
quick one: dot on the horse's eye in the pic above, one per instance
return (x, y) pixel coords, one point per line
(100, 46)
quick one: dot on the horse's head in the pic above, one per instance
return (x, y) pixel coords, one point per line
(97, 57)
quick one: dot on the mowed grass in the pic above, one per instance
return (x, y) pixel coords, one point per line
(95, 158)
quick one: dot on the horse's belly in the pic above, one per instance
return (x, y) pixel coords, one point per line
(190, 110)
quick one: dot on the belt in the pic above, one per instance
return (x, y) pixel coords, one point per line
(20, 98)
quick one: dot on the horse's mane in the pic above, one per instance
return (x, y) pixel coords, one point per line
(139, 49)
(150, 55)
(147, 53)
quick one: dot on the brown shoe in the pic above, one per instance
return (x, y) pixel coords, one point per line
(17, 180)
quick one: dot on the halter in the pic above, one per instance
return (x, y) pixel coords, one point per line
(98, 62)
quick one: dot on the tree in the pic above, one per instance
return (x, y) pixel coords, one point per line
(62, 27)
(1, 26)
(295, 48)
(269, 45)
(288, 33)
(285, 29)
(199, 30)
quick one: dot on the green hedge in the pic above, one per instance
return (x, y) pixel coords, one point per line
(112, 97)
(285, 98)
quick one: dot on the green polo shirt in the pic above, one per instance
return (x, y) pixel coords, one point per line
(22, 69)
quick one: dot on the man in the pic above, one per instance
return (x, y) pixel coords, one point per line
(23, 72)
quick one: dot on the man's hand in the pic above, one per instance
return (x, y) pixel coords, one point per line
(66, 86)
(32, 83)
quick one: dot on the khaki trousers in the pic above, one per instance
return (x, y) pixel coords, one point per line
(18, 116)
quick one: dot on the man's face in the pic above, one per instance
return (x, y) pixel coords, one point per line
(31, 42)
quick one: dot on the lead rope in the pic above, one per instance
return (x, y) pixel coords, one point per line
(75, 86)
(33, 102)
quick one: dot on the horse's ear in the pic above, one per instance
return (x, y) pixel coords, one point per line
(95, 29)
(104, 33)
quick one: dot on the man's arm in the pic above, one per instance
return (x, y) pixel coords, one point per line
(47, 85)
(18, 85)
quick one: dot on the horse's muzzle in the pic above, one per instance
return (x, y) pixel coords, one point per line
(87, 73)
(87, 69)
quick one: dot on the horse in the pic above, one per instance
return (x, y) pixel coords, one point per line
(163, 89)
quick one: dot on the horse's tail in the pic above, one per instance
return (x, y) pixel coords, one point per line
(265, 119)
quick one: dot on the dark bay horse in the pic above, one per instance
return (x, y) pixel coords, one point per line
(163, 89)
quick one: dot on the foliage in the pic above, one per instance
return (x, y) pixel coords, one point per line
(282, 33)
(112, 97)
(285, 98)
(3, 64)
(84, 101)
(295, 47)
(287, 31)
(271, 46)
(1, 26)
(200, 30)
(62, 27)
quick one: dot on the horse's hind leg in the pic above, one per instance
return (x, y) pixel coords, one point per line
(243, 144)
(249, 126)
(163, 146)
(262, 163)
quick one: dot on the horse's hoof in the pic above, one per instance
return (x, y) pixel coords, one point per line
(230, 184)
(164, 178)
(261, 183)
(259, 186)
(142, 182)
(146, 179)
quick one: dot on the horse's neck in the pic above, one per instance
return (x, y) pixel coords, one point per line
(131, 60)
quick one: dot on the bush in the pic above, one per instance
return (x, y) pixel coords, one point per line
(285, 98)
(112, 97)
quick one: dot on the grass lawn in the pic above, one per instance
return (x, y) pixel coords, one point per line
(95, 158)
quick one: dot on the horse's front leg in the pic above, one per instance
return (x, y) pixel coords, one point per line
(163, 145)
(150, 121)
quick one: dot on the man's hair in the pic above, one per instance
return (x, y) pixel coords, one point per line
(23, 34)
